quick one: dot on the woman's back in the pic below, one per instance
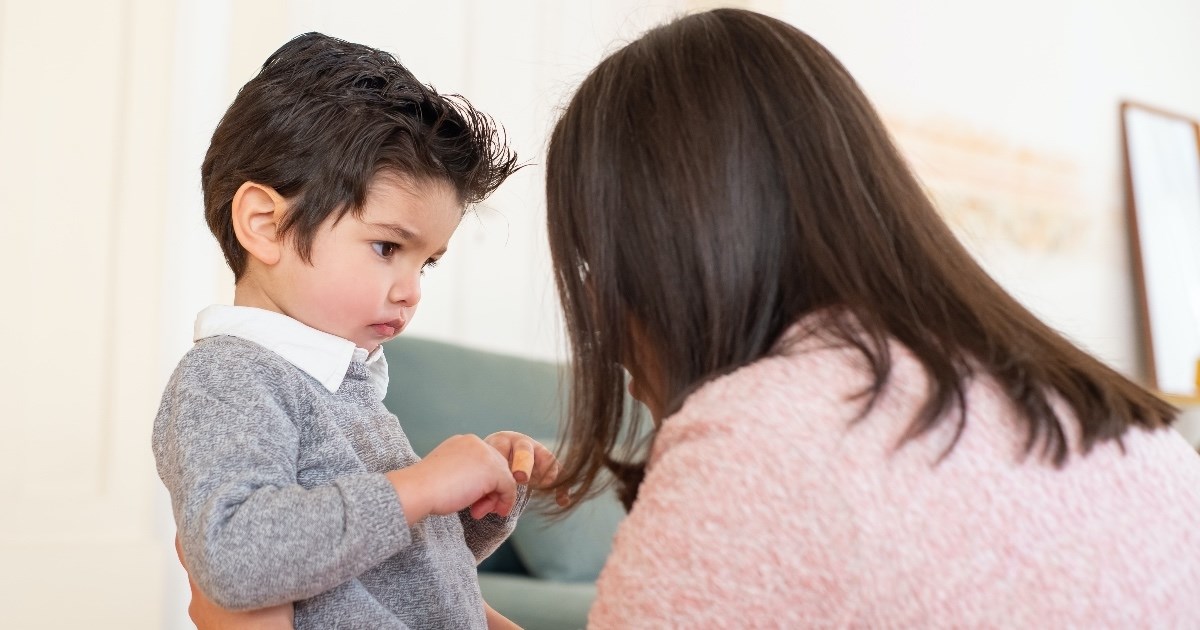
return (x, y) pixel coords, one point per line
(766, 504)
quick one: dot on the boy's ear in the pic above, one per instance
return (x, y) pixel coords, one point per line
(257, 210)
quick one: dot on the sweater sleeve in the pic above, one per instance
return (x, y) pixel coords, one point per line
(722, 533)
(484, 535)
(252, 537)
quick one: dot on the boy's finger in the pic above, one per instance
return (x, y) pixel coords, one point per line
(483, 507)
(522, 460)
(506, 497)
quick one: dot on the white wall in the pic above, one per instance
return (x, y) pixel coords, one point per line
(1007, 110)
(1026, 80)
(83, 122)
(1037, 81)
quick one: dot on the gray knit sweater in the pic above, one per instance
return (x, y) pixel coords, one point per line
(278, 494)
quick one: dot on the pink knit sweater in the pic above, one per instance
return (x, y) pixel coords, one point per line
(764, 506)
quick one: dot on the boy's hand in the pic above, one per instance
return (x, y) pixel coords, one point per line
(461, 472)
(530, 461)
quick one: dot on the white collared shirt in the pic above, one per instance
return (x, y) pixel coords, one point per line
(319, 354)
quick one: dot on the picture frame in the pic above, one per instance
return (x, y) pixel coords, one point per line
(1162, 181)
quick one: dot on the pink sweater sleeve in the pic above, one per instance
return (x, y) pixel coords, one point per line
(701, 546)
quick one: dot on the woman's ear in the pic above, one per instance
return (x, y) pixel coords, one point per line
(257, 210)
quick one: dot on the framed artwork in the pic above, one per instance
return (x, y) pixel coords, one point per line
(1162, 172)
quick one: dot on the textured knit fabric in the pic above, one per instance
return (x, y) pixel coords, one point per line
(766, 506)
(278, 494)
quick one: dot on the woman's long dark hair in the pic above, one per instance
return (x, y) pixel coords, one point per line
(723, 176)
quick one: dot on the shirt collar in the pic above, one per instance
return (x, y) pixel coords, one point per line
(319, 354)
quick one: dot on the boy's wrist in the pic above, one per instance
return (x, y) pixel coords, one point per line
(410, 493)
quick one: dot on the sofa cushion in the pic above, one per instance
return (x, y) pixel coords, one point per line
(570, 549)
(439, 389)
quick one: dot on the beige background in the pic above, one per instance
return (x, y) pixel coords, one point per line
(1008, 111)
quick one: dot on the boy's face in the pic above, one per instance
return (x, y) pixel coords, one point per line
(365, 278)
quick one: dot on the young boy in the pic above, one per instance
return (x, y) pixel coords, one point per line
(332, 181)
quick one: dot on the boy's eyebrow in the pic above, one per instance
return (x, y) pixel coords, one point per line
(404, 234)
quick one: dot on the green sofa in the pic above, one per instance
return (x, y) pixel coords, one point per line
(543, 577)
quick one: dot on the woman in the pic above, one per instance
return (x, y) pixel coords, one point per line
(852, 424)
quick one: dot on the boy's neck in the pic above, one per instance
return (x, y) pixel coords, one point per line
(249, 293)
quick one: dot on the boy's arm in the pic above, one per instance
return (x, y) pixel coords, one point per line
(496, 621)
(208, 616)
(227, 451)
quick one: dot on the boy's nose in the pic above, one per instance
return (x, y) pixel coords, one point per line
(406, 289)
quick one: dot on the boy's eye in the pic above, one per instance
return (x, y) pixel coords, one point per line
(384, 248)
(429, 264)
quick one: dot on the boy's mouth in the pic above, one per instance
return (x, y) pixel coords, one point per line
(388, 329)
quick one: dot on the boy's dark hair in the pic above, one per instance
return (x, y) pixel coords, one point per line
(322, 118)
(722, 177)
